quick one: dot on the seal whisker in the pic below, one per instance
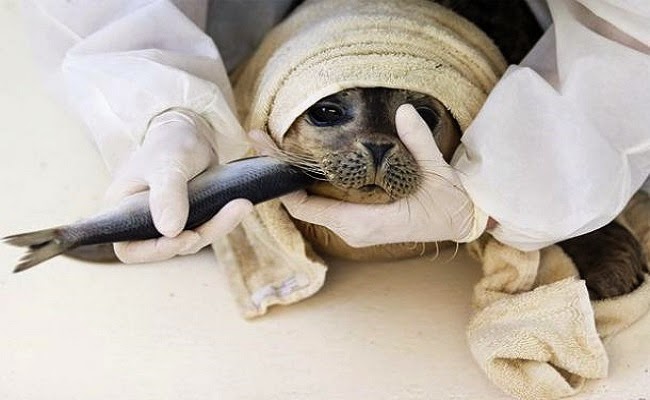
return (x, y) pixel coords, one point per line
(300, 159)
(445, 166)
(418, 196)
(304, 166)
(435, 256)
(431, 174)
(297, 160)
(408, 208)
(307, 164)
(453, 256)
(288, 155)
(424, 248)
(431, 200)
(437, 164)
(412, 245)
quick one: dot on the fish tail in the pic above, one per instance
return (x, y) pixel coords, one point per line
(41, 246)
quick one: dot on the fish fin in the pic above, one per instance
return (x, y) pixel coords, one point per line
(42, 245)
(31, 238)
(97, 253)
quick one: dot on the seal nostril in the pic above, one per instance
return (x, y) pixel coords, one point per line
(378, 151)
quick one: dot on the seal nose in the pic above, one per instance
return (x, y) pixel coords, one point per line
(378, 151)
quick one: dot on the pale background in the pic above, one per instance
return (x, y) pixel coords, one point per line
(171, 330)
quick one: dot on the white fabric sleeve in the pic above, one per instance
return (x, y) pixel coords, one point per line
(563, 141)
(123, 62)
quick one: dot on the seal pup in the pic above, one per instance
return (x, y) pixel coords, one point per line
(351, 139)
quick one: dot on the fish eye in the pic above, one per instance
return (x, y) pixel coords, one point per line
(327, 114)
(429, 116)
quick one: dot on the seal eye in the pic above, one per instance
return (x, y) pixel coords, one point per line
(327, 114)
(429, 116)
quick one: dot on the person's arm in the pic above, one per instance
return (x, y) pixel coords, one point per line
(122, 62)
(154, 93)
(562, 142)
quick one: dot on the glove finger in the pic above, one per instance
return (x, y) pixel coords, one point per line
(152, 250)
(225, 220)
(169, 203)
(357, 224)
(123, 187)
(416, 135)
(221, 224)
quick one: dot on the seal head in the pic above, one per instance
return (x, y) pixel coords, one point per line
(351, 139)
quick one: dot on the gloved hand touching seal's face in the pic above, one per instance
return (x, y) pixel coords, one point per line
(439, 210)
(177, 147)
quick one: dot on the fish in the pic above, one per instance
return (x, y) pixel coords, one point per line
(257, 179)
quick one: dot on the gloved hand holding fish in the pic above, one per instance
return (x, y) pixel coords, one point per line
(214, 202)
(178, 146)
(254, 179)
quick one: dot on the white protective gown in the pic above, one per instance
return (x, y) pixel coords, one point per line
(563, 141)
(558, 149)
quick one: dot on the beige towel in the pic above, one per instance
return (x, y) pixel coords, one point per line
(533, 344)
(535, 333)
(326, 46)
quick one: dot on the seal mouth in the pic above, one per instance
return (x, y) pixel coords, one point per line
(371, 188)
(373, 193)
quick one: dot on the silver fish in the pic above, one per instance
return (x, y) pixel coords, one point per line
(257, 179)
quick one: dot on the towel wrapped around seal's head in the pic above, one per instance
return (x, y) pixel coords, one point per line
(328, 46)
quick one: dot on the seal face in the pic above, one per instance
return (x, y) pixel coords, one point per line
(350, 138)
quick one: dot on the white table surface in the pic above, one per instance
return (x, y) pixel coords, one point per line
(170, 330)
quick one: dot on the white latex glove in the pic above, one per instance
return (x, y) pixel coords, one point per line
(177, 147)
(439, 210)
